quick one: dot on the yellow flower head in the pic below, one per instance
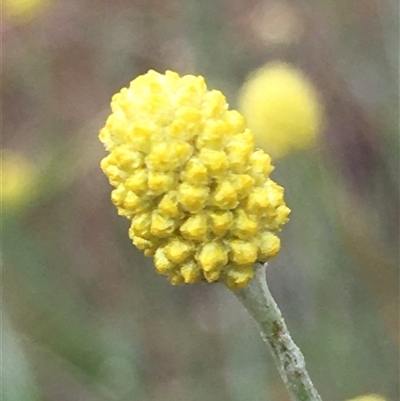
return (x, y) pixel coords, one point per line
(186, 175)
(370, 397)
(18, 181)
(282, 109)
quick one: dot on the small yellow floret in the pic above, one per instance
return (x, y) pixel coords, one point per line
(242, 183)
(161, 226)
(244, 226)
(192, 198)
(261, 164)
(195, 228)
(168, 156)
(160, 182)
(269, 245)
(243, 253)
(225, 196)
(212, 257)
(240, 149)
(169, 205)
(221, 222)
(186, 174)
(141, 224)
(131, 201)
(161, 262)
(238, 276)
(177, 251)
(118, 195)
(195, 172)
(215, 161)
(141, 243)
(257, 200)
(191, 272)
(176, 278)
(137, 181)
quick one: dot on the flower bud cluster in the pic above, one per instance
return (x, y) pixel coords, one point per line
(187, 176)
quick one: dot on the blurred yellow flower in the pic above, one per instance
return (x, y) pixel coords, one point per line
(17, 181)
(282, 108)
(186, 174)
(23, 10)
(369, 397)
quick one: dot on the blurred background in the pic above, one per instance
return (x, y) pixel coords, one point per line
(84, 314)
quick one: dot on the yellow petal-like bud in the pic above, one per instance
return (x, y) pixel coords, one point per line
(268, 246)
(195, 172)
(140, 226)
(177, 250)
(161, 262)
(215, 161)
(243, 253)
(225, 196)
(212, 257)
(186, 174)
(195, 227)
(244, 226)
(161, 226)
(168, 205)
(137, 181)
(191, 272)
(161, 182)
(192, 198)
(221, 222)
(237, 276)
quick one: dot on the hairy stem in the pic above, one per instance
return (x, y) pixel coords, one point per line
(259, 302)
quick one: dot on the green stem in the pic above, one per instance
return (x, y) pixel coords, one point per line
(259, 302)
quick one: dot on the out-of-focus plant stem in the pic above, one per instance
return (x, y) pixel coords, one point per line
(259, 302)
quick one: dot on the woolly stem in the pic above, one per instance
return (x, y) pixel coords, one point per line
(259, 302)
